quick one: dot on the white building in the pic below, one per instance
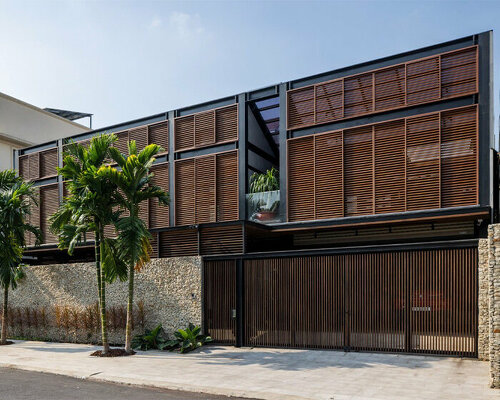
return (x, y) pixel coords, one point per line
(23, 125)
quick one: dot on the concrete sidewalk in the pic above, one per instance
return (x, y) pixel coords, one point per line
(266, 373)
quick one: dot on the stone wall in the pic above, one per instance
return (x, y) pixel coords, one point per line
(59, 302)
(494, 302)
(483, 302)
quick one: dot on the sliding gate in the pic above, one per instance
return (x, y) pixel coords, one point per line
(421, 301)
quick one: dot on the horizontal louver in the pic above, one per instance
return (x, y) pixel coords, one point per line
(419, 81)
(221, 240)
(206, 189)
(140, 135)
(206, 128)
(158, 134)
(159, 214)
(34, 217)
(415, 163)
(178, 243)
(48, 163)
(49, 203)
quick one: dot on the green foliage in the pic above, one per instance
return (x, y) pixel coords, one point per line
(188, 339)
(15, 198)
(265, 182)
(150, 340)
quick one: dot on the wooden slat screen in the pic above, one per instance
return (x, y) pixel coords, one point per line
(34, 166)
(419, 81)
(49, 203)
(415, 163)
(158, 214)
(34, 217)
(140, 135)
(420, 301)
(206, 128)
(178, 243)
(24, 167)
(122, 142)
(206, 189)
(48, 163)
(158, 134)
(221, 240)
(219, 294)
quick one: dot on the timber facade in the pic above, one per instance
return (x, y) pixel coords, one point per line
(388, 179)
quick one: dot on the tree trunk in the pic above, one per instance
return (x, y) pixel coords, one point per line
(102, 290)
(3, 338)
(130, 310)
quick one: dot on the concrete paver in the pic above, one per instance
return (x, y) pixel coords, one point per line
(267, 373)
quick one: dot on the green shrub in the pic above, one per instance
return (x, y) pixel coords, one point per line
(150, 340)
(188, 339)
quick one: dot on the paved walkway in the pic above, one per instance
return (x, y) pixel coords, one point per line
(267, 373)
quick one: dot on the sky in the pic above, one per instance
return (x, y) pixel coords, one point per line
(122, 60)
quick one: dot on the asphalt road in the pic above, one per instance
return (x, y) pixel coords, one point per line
(25, 385)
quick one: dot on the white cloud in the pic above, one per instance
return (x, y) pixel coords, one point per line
(186, 25)
(155, 23)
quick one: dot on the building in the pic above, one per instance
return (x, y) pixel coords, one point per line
(388, 181)
(22, 125)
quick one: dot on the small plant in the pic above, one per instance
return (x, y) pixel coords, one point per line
(151, 340)
(265, 182)
(188, 339)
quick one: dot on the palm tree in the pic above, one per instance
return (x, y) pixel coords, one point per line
(15, 198)
(89, 208)
(134, 182)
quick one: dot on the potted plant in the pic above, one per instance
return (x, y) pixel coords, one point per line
(264, 195)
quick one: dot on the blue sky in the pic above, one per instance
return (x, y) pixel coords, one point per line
(123, 59)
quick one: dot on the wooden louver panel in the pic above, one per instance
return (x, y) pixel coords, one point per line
(204, 128)
(226, 120)
(34, 166)
(221, 240)
(158, 214)
(48, 163)
(34, 217)
(49, 203)
(185, 186)
(122, 142)
(415, 163)
(227, 186)
(358, 171)
(24, 167)
(328, 186)
(140, 135)
(459, 158)
(178, 243)
(390, 161)
(419, 81)
(301, 179)
(158, 134)
(205, 189)
(422, 163)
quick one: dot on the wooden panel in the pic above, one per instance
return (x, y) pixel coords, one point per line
(358, 95)
(459, 157)
(221, 240)
(48, 163)
(226, 128)
(49, 203)
(300, 107)
(159, 215)
(122, 143)
(158, 134)
(358, 171)
(178, 243)
(329, 101)
(185, 192)
(219, 294)
(205, 189)
(390, 160)
(424, 80)
(294, 302)
(184, 132)
(390, 91)
(459, 72)
(34, 217)
(34, 166)
(140, 135)
(328, 185)
(227, 187)
(422, 163)
(24, 167)
(204, 128)
(300, 179)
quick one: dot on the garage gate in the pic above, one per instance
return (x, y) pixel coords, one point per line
(421, 301)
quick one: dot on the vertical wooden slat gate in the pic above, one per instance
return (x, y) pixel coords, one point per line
(418, 301)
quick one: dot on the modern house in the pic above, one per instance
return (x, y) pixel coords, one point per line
(388, 179)
(23, 124)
